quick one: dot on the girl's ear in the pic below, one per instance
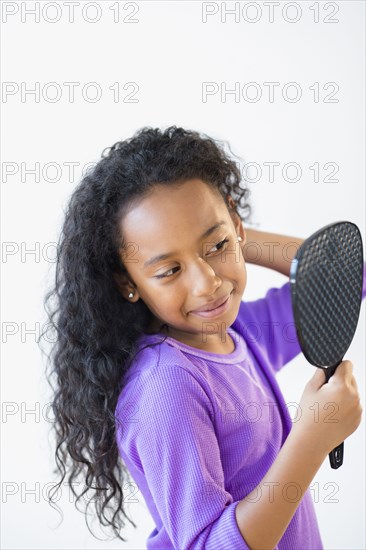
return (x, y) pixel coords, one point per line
(125, 286)
(240, 231)
(231, 201)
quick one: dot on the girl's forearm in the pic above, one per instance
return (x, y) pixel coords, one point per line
(270, 250)
(264, 514)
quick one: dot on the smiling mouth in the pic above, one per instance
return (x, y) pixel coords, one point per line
(213, 311)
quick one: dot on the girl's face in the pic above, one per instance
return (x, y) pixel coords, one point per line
(203, 262)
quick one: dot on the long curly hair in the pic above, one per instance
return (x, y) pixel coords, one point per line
(94, 328)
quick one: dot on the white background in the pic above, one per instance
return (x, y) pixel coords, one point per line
(169, 52)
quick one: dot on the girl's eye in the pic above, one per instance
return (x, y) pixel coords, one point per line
(222, 243)
(164, 275)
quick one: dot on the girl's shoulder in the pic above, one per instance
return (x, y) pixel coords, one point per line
(157, 362)
(161, 374)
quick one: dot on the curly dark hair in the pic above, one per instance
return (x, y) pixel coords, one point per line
(95, 329)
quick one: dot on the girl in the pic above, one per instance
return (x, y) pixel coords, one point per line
(164, 373)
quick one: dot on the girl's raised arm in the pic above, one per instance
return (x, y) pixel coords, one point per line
(270, 250)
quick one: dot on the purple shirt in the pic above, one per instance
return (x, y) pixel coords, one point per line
(199, 430)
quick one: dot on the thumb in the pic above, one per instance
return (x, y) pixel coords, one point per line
(317, 380)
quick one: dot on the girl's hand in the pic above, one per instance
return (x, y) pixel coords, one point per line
(330, 412)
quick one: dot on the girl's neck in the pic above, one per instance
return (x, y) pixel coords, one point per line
(219, 347)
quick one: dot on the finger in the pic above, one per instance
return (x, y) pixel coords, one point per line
(353, 383)
(344, 370)
(318, 379)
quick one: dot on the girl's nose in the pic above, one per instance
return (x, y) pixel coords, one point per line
(204, 279)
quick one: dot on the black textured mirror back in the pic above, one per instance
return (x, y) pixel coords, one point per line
(326, 279)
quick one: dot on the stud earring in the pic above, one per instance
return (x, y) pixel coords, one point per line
(130, 295)
(239, 238)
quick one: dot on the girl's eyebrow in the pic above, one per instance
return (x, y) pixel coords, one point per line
(165, 256)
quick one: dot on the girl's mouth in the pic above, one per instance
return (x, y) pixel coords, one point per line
(214, 312)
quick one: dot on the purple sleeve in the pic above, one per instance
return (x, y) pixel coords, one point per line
(268, 324)
(174, 440)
